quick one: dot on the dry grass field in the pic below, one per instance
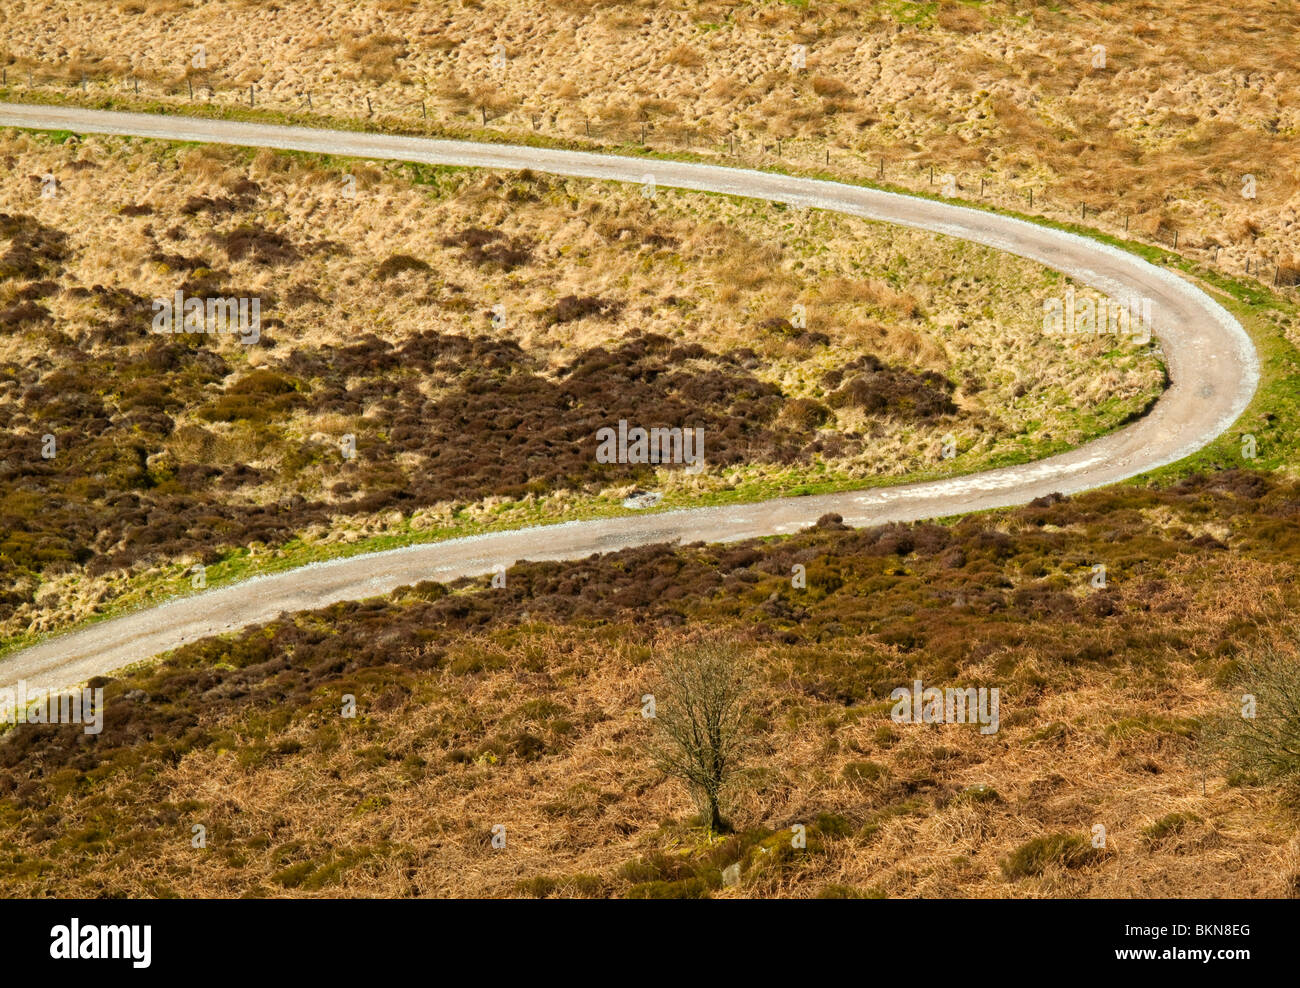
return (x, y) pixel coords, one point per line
(1158, 134)
(462, 327)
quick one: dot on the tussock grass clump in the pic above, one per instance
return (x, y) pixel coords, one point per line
(35, 250)
(573, 307)
(850, 892)
(892, 391)
(377, 55)
(258, 245)
(21, 314)
(1169, 825)
(1034, 857)
(864, 771)
(396, 264)
(218, 206)
(490, 248)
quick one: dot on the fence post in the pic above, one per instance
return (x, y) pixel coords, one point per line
(1031, 198)
(250, 95)
(370, 110)
(191, 88)
(423, 114)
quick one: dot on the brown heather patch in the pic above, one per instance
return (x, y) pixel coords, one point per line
(439, 419)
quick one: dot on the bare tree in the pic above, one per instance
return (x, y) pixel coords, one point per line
(703, 712)
(1261, 734)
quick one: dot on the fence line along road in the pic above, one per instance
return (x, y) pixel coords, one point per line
(1212, 364)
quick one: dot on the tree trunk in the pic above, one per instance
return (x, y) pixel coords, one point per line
(713, 818)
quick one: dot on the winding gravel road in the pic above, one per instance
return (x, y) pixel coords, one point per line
(1212, 365)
